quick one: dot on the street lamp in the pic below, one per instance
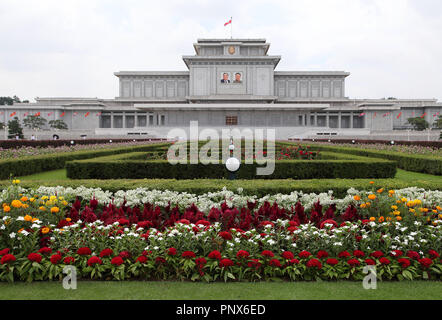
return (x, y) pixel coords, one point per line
(232, 164)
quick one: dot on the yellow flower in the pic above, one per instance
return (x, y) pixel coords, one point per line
(372, 197)
(64, 202)
(25, 206)
(42, 208)
(391, 192)
(44, 198)
(412, 210)
(60, 198)
(404, 199)
(397, 213)
(357, 198)
(394, 207)
(45, 230)
(16, 203)
(439, 208)
(32, 199)
(440, 216)
(363, 205)
(28, 218)
(368, 204)
(6, 208)
(55, 210)
(398, 201)
(53, 198)
(16, 181)
(372, 219)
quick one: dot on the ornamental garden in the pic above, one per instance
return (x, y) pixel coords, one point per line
(120, 211)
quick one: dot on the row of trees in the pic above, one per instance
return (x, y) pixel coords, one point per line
(32, 122)
(421, 124)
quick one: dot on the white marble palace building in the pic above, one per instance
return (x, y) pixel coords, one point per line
(229, 83)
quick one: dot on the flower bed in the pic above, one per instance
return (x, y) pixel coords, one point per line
(225, 236)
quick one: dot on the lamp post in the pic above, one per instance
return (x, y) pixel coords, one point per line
(232, 163)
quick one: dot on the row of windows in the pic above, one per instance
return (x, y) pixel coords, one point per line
(119, 121)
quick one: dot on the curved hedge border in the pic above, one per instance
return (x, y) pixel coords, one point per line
(30, 165)
(409, 162)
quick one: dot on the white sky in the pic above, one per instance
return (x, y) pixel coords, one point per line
(54, 48)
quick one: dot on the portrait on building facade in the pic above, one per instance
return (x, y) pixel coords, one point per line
(225, 77)
(238, 77)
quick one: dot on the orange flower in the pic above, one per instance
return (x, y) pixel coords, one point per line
(381, 219)
(16, 204)
(28, 218)
(380, 190)
(371, 182)
(24, 199)
(68, 219)
(372, 219)
(357, 198)
(45, 230)
(399, 218)
(372, 197)
(6, 208)
(55, 210)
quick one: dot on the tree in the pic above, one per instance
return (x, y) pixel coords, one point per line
(58, 124)
(34, 122)
(6, 101)
(2, 125)
(438, 123)
(15, 129)
(418, 123)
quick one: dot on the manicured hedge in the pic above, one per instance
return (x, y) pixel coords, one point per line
(432, 144)
(409, 162)
(30, 165)
(114, 167)
(256, 187)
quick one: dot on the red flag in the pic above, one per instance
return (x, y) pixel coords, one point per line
(228, 22)
(13, 114)
(87, 114)
(423, 116)
(25, 114)
(75, 113)
(62, 115)
(412, 113)
(1, 112)
(362, 114)
(50, 113)
(399, 115)
(98, 114)
(37, 114)
(375, 114)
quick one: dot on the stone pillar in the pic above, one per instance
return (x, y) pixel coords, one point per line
(339, 119)
(351, 120)
(316, 119)
(327, 120)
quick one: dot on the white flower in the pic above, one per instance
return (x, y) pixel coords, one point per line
(12, 235)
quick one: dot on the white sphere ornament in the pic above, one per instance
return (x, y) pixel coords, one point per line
(232, 164)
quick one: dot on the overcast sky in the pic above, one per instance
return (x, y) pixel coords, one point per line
(71, 48)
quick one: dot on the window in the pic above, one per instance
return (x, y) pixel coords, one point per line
(162, 120)
(151, 120)
(130, 121)
(231, 120)
(118, 121)
(105, 121)
(142, 121)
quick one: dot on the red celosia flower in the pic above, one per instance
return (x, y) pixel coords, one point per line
(353, 262)
(254, 263)
(171, 251)
(397, 253)
(68, 260)
(425, 262)
(275, 263)
(293, 261)
(344, 254)
(433, 254)
(267, 253)
(225, 235)
(93, 261)
(322, 254)
(413, 255)
(35, 257)
(314, 263)
(106, 253)
(85, 251)
(4, 251)
(242, 254)
(304, 254)
(384, 261)
(292, 229)
(124, 254)
(377, 254)
(45, 250)
(117, 261)
(358, 253)
(142, 259)
(200, 261)
(184, 221)
(123, 221)
(293, 224)
(226, 263)
(7, 258)
(288, 255)
(56, 258)
(332, 261)
(188, 254)
(404, 262)
(144, 224)
(370, 262)
(215, 254)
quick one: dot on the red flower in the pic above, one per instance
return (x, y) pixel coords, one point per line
(275, 263)
(45, 250)
(93, 261)
(124, 254)
(106, 253)
(242, 254)
(329, 221)
(56, 258)
(200, 261)
(404, 262)
(344, 254)
(332, 261)
(397, 253)
(184, 221)
(370, 262)
(322, 254)
(123, 221)
(358, 253)
(117, 261)
(203, 222)
(413, 255)
(377, 254)
(267, 223)
(304, 254)
(267, 253)
(433, 254)
(69, 260)
(225, 235)
(35, 257)
(188, 254)
(293, 261)
(142, 259)
(254, 263)
(353, 262)
(85, 251)
(160, 260)
(7, 258)
(226, 263)
(384, 261)
(425, 262)
(171, 251)
(288, 255)
(4, 251)
(314, 263)
(215, 254)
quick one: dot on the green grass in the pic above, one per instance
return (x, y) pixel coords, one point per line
(59, 174)
(130, 290)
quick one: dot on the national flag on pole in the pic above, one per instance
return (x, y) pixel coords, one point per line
(98, 114)
(412, 113)
(228, 22)
(423, 116)
(75, 113)
(87, 114)
(25, 114)
(49, 114)
(37, 114)
(362, 114)
(62, 115)
(13, 114)
(399, 115)
(375, 114)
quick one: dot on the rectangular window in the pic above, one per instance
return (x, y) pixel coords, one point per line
(231, 120)
(118, 121)
(130, 121)
(151, 120)
(105, 121)
(163, 120)
(142, 121)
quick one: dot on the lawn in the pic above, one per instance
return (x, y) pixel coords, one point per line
(165, 290)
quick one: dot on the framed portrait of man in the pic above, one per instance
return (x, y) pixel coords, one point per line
(225, 77)
(237, 77)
